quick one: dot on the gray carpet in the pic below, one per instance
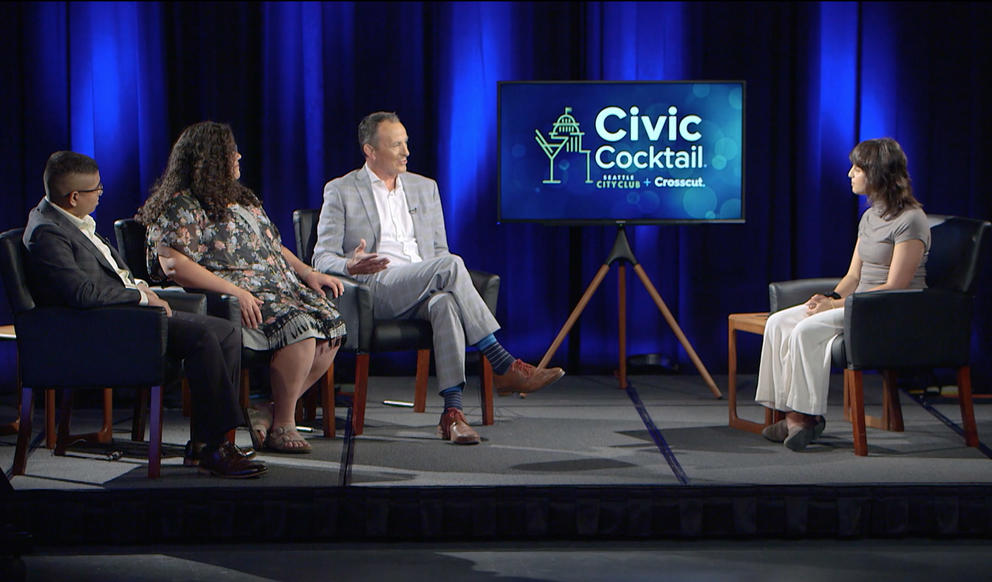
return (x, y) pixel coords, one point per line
(581, 431)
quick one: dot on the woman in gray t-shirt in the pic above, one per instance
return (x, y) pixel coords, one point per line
(891, 253)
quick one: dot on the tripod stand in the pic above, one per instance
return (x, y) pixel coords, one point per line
(621, 252)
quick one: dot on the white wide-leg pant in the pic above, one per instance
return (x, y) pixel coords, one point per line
(794, 373)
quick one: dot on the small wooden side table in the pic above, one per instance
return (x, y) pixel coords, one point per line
(7, 334)
(752, 323)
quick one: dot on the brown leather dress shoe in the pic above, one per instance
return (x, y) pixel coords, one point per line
(523, 377)
(230, 462)
(191, 457)
(453, 427)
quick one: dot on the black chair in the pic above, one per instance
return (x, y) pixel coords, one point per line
(130, 235)
(906, 330)
(368, 335)
(56, 350)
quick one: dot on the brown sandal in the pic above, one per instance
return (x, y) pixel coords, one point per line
(285, 439)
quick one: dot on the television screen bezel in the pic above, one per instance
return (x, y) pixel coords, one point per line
(618, 221)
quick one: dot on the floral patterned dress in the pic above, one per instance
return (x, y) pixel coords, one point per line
(245, 249)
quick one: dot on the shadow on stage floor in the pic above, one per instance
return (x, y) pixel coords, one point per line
(578, 460)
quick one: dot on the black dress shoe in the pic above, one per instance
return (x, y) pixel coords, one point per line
(191, 457)
(227, 460)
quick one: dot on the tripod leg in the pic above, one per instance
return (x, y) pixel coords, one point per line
(622, 323)
(575, 315)
(677, 330)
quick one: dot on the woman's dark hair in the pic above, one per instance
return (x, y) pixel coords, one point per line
(202, 161)
(885, 167)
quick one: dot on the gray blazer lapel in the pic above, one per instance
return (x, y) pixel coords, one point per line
(421, 222)
(364, 187)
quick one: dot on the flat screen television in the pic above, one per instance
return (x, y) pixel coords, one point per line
(624, 152)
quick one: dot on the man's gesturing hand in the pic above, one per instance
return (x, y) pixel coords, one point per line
(363, 263)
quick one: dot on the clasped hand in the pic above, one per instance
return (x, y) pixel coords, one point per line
(818, 304)
(363, 263)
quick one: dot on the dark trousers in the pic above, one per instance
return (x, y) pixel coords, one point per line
(210, 348)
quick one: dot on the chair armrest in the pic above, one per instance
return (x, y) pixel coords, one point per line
(487, 284)
(782, 294)
(180, 300)
(355, 307)
(109, 346)
(907, 328)
(221, 305)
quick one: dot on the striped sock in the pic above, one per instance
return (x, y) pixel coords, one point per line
(495, 353)
(453, 397)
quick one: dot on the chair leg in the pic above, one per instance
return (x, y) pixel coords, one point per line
(245, 396)
(50, 418)
(847, 399)
(310, 398)
(420, 387)
(486, 393)
(187, 402)
(853, 383)
(23, 431)
(967, 406)
(61, 441)
(138, 420)
(327, 397)
(155, 433)
(891, 409)
(361, 389)
(106, 432)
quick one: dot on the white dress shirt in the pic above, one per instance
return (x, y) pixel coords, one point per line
(88, 227)
(396, 239)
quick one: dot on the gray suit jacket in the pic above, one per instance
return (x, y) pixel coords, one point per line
(349, 215)
(65, 268)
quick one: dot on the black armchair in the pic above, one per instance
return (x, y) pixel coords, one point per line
(906, 330)
(138, 332)
(367, 335)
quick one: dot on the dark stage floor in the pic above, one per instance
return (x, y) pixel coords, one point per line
(666, 441)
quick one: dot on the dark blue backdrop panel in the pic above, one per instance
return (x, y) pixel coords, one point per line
(120, 80)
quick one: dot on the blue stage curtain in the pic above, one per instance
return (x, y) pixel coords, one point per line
(119, 81)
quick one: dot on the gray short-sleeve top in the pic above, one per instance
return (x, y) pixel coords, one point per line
(877, 237)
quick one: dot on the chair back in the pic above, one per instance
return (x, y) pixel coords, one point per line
(130, 236)
(14, 272)
(955, 252)
(305, 230)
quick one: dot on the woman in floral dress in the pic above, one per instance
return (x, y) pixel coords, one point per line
(207, 231)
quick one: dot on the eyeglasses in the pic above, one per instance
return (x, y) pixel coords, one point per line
(99, 188)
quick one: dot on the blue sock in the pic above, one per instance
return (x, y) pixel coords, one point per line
(495, 353)
(453, 397)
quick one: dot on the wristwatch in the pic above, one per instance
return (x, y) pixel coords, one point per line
(832, 295)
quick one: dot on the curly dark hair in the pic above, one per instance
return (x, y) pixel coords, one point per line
(886, 171)
(202, 162)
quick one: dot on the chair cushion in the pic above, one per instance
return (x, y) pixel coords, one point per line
(393, 335)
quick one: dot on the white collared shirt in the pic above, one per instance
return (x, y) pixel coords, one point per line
(88, 227)
(396, 237)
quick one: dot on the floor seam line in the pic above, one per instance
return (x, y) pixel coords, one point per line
(656, 436)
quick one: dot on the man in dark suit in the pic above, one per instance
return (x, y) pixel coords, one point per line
(70, 265)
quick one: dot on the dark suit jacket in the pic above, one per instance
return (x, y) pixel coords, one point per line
(65, 268)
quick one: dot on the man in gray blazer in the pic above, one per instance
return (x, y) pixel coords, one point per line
(385, 227)
(70, 265)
